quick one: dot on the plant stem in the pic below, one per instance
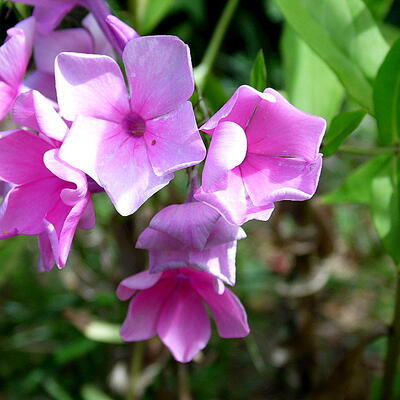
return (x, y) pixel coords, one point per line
(365, 151)
(136, 365)
(393, 348)
(202, 71)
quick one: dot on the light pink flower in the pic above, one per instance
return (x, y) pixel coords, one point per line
(130, 145)
(14, 58)
(263, 150)
(192, 235)
(47, 47)
(49, 198)
(172, 305)
(122, 32)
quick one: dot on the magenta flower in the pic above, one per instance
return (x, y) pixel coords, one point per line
(263, 150)
(48, 46)
(172, 305)
(192, 235)
(14, 58)
(130, 145)
(49, 198)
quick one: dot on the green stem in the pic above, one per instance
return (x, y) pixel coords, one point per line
(366, 152)
(202, 71)
(393, 349)
(136, 366)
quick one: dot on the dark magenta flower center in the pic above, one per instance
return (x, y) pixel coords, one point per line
(134, 124)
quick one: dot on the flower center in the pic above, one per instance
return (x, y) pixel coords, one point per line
(134, 124)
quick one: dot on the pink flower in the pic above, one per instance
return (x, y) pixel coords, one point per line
(130, 145)
(14, 58)
(122, 32)
(172, 305)
(263, 150)
(192, 235)
(49, 198)
(48, 46)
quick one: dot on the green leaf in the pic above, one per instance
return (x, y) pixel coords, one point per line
(344, 34)
(149, 13)
(357, 187)
(385, 206)
(379, 8)
(258, 74)
(340, 128)
(102, 331)
(308, 78)
(91, 392)
(387, 97)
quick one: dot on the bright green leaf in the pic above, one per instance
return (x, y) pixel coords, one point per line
(387, 97)
(357, 187)
(149, 13)
(258, 74)
(385, 207)
(102, 331)
(91, 392)
(340, 128)
(344, 34)
(308, 78)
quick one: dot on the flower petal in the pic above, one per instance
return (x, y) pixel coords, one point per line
(160, 75)
(43, 83)
(184, 326)
(100, 44)
(33, 110)
(227, 150)
(280, 129)
(91, 85)
(21, 157)
(270, 179)
(173, 141)
(144, 311)
(140, 281)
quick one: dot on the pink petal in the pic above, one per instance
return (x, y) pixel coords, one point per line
(122, 32)
(7, 98)
(43, 83)
(100, 44)
(88, 218)
(21, 157)
(270, 179)
(190, 223)
(144, 311)
(228, 311)
(25, 207)
(50, 13)
(227, 150)
(159, 72)
(48, 47)
(184, 326)
(173, 141)
(152, 239)
(46, 257)
(238, 109)
(91, 85)
(34, 111)
(280, 129)
(140, 281)
(223, 232)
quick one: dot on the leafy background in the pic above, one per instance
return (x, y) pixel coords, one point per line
(317, 280)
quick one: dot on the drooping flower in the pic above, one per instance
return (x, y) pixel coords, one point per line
(14, 58)
(171, 304)
(130, 145)
(47, 47)
(263, 150)
(49, 198)
(192, 235)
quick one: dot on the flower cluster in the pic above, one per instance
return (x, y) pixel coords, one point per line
(83, 130)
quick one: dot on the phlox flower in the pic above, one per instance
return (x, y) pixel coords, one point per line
(262, 150)
(48, 197)
(130, 144)
(89, 39)
(14, 58)
(172, 304)
(122, 32)
(192, 235)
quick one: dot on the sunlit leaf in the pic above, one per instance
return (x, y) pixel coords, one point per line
(258, 74)
(357, 186)
(102, 331)
(308, 79)
(91, 392)
(387, 97)
(340, 128)
(344, 34)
